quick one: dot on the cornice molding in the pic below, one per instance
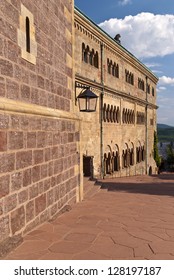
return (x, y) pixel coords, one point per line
(9, 105)
(114, 93)
(108, 42)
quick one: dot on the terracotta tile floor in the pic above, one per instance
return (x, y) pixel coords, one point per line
(128, 218)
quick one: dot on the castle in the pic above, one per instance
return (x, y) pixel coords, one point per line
(50, 52)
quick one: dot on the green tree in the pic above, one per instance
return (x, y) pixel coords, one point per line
(170, 157)
(155, 150)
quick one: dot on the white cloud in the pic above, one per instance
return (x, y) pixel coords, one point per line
(145, 34)
(162, 88)
(166, 80)
(124, 2)
(152, 64)
(156, 71)
(159, 89)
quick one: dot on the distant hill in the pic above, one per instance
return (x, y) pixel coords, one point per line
(165, 133)
(161, 125)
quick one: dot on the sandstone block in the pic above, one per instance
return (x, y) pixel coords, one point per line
(15, 140)
(17, 219)
(40, 204)
(23, 159)
(7, 163)
(4, 185)
(3, 141)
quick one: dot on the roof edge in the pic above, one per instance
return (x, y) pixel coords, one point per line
(113, 41)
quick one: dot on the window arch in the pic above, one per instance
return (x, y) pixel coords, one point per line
(83, 52)
(108, 161)
(96, 60)
(129, 77)
(91, 57)
(104, 113)
(132, 154)
(116, 166)
(125, 156)
(112, 68)
(123, 116)
(26, 35)
(108, 113)
(118, 115)
(115, 114)
(111, 114)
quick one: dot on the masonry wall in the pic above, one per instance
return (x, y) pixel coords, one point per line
(128, 132)
(39, 135)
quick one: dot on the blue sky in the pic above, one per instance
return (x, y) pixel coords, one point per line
(147, 30)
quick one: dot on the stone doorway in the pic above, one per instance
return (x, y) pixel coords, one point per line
(88, 170)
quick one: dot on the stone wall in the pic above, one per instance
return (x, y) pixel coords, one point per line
(48, 82)
(39, 135)
(127, 94)
(37, 162)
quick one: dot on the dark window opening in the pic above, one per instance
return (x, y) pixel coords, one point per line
(129, 77)
(96, 60)
(27, 35)
(113, 68)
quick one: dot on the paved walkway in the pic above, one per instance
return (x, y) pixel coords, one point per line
(128, 218)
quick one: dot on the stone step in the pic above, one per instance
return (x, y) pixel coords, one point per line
(90, 187)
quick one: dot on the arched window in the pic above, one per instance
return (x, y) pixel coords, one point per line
(83, 52)
(138, 150)
(117, 71)
(133, 116)
(137, 154)
(143, 153)
(104, 113)
(118, 115)
(108, 113)
(126, 158)
(108, 164)
(86, 54)
(115, 114)
(132, 156)
(117, 162)
(131, 121)
(111, 114)
(114, 70)
(123, 156)
(109, 66)
(123, 116)
(96, 60)
(126, 116)
(126, 75)
(27, 23)
(132, 79)
(105, 164)
(91, 57)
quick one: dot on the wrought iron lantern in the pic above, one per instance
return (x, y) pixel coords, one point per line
(87, 100)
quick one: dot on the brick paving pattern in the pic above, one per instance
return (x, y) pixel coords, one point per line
(125, 218)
